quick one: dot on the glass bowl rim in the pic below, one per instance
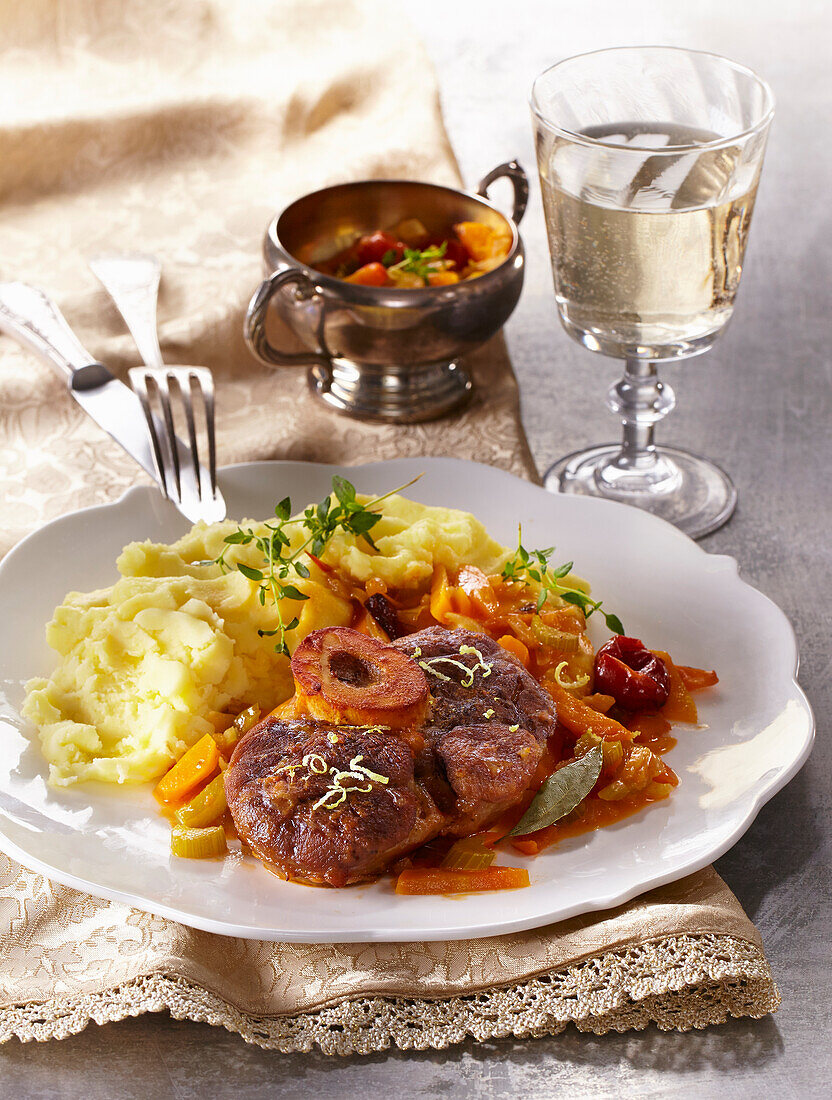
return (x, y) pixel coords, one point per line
(669, 150)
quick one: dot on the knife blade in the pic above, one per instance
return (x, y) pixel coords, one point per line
(33, 320)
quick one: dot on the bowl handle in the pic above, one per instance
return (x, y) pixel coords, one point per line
(254, 327)
(519, 181)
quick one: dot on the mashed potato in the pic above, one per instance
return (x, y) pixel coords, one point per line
(148, 666)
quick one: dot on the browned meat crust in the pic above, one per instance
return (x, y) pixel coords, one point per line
(472, 757)
(281, 771)
(488, 768)
(344, 676)
(486, 726)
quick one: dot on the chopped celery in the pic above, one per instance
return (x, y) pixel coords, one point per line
(468, 854)
(206, 807)
(561, 640)
(198, 843)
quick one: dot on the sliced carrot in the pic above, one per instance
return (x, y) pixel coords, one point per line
(198, 764)
(364, 623)
(599, 702)
(527, 847)
(580, 719)
(436, 880)
(441, 595)
(680, 706)
(442, 278)
(666, 775)
(369, 275)
(477, 587)
(515, 646)
(697, 678)
(478, 239)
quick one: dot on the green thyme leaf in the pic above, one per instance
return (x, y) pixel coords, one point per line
(319, 523)
(344, 490)
(289, 592)
(577, 599)
(519, 568)
(422, 262)
(613, 623)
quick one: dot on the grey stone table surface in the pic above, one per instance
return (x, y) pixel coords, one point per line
(761, 405)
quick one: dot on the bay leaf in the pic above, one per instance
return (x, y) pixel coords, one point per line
(561, 793)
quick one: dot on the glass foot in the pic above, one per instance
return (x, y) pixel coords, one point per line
(689, 492)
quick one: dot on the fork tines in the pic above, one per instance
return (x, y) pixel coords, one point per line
(156, 386)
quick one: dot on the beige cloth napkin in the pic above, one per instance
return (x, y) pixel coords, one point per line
(180, 129)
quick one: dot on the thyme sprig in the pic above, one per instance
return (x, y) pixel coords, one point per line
(422, 262)
(534, 565)
(281, 565)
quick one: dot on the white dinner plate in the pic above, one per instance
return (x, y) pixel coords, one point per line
(757, 725)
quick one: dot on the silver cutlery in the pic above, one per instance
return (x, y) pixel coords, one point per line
(33, 320)
(132, 281)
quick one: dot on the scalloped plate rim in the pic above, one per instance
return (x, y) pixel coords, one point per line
(456, 931)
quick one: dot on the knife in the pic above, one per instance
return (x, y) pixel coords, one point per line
(33, 320)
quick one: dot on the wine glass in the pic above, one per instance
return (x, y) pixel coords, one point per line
(649, 160)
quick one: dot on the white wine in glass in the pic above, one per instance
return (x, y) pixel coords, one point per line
(648, 219)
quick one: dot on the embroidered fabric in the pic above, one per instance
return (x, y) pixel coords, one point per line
(679, 983)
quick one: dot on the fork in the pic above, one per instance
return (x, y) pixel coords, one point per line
(132, 281)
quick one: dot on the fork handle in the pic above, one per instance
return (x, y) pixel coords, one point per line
(33, 319)
(132, 281)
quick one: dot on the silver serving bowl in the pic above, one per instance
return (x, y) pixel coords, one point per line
(374, 352)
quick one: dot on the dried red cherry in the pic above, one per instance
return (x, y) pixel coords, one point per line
(627, 670)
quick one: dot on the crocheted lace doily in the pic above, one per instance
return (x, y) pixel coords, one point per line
(681, 982)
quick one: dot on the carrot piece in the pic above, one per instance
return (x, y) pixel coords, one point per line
(526, 847)
(441, 594)
(198, 764)
(442, 278)
(695, 679)
(369, 275)
(436, 880)
(599, 702)
(680, 706)
(580, 719)
(476, 586)
(477, 238)
(365, 624)
(515, 646)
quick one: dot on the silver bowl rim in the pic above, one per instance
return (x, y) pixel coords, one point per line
(405, 296)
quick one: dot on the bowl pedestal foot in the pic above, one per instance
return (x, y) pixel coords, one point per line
(392, 394)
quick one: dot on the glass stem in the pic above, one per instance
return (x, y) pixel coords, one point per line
(641, 400)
